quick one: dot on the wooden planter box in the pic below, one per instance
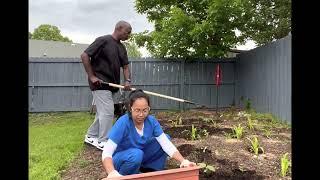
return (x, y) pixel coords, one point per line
(189, 173)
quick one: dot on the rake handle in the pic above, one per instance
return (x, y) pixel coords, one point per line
(151, 93)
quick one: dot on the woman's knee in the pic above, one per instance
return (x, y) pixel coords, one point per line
(135, 156)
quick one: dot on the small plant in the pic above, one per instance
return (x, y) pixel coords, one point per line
(173, 123)
(248, 104)
(255, 146)
(241, 114)
(177, 121)
(250, 123)
(237, 131)
(205, 133)
(228, 135)
(207, 120)
(208, 169)
(194, 133)
(267, 132)
(285, 164)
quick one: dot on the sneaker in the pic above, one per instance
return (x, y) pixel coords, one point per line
(91, 140)
(101, 145)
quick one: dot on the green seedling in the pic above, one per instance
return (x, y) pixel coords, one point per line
(205, 133)
(250, 123)
(285, 164)
(267, 132)
(228, 135)
(207, 120)
(207, 168)
(237, 131)
(194, 133)
(177, 121)
(255, 145)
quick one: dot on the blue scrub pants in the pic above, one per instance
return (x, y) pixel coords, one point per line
(130, 160)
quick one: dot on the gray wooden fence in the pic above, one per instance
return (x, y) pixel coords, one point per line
(57, 84)
(264, 76)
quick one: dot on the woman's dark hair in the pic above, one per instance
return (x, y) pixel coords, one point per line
(136, 94)
(133, 96)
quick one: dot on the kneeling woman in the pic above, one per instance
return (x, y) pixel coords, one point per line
(136, 142)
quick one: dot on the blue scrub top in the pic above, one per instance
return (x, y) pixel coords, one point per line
(125, 135)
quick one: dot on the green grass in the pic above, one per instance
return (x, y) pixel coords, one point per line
(54, 140)
(268, 120)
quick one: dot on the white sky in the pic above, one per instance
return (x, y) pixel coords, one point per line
(84, 20)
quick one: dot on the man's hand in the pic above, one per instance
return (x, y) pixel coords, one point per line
(96, 81)
(187, 163)
(127, 86)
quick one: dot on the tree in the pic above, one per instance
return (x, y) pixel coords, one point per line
(269, 20)
(49, 32)
(209, 28)
(132, 49)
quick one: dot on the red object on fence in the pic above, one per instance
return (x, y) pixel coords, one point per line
(218, 75)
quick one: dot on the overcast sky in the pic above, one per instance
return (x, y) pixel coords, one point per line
(84, 20)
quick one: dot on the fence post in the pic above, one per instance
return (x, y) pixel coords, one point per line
(182, 62)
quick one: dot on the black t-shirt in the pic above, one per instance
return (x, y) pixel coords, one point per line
(107, 55)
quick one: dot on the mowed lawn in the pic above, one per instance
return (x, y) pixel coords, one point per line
(54, 140)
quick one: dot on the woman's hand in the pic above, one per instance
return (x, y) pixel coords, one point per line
(187, 163)
(113, 174)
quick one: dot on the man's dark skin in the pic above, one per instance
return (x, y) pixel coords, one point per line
(121, 32)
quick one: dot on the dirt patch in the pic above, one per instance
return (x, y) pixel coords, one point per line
(86, 166)
(203, 131)
(230, 157)
(224, 168)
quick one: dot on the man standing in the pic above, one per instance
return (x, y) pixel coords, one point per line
(102, 61)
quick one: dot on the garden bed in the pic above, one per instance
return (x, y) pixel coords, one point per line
(204, 137)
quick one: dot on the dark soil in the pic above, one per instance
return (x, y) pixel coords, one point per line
(226, 169)
(231, 158)
(185, 131)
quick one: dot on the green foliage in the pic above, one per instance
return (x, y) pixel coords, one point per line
(207, 168)
(49, 32)
(269, 120)
(132, 49)
(250, 123)
(194, 133)
(267, 132)
(176, 122)
(208, 120)
(285, 164)
(237, 131)
(268, 20)
(205, 133)
(247, 103)
(207, 28)
(228, 135)
(255, 145)
(54, 141)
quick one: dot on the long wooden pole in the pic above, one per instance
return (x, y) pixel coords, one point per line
(153, 93)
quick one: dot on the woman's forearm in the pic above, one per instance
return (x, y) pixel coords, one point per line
(177, 156)
(108, 164)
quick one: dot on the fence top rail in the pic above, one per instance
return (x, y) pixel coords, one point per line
(154, 60)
